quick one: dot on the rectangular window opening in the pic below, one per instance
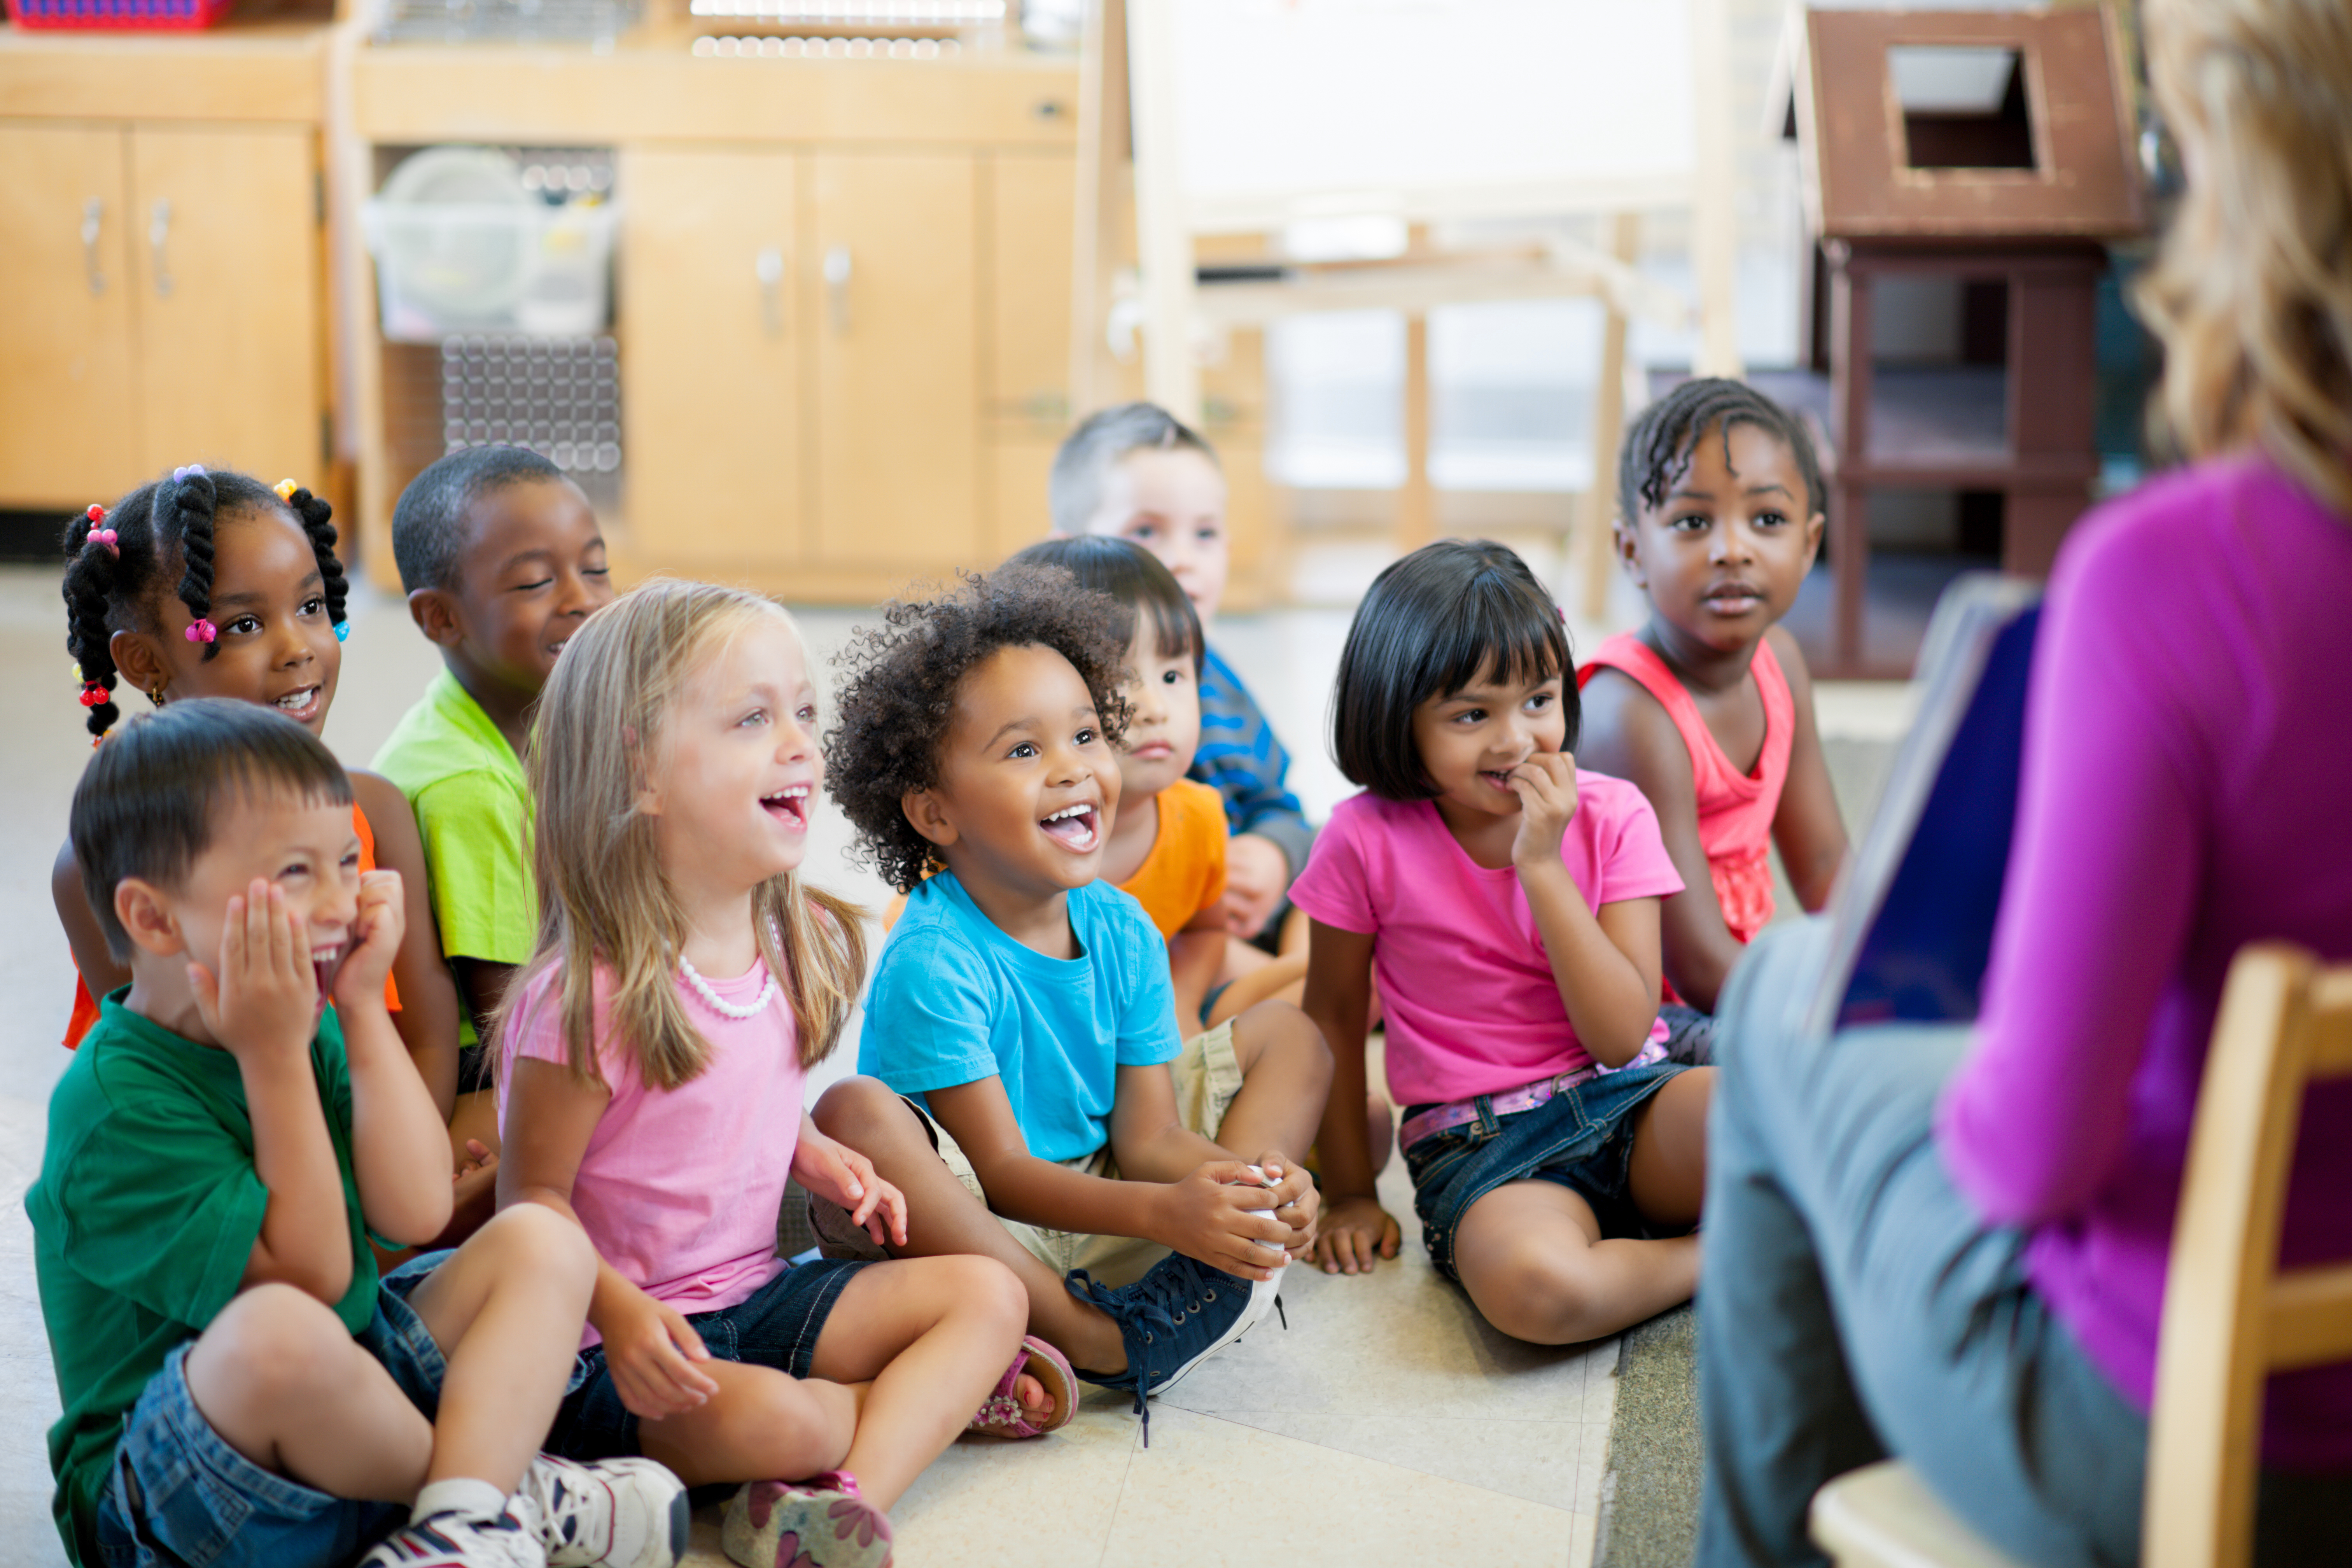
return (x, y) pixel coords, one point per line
(1963, 106)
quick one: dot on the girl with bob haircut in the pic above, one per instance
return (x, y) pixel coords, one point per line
(1950, 1242)
(654, 1054)
(1508, 903)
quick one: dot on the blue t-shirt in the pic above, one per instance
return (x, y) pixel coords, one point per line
(955, 1000)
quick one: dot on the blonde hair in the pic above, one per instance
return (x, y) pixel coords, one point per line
(604, 901)
(2253, 295)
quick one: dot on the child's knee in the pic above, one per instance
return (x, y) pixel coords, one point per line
(1275, 1031)
(271, 1345)
(989, 1290)
(1533, 1291)
(863, 1113)
(533, 1241)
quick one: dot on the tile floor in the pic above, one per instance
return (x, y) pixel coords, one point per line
(1388, 1424)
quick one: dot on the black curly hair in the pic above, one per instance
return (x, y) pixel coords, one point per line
(1657, 447)
(160, 528)
(898, 689)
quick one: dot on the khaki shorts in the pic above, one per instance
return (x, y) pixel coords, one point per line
(1208, 1075)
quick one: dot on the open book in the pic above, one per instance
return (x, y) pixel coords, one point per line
(1911, 924)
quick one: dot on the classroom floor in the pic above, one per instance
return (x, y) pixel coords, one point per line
(1386, 1425)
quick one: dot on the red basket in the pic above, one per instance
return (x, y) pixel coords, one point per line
(124, 15)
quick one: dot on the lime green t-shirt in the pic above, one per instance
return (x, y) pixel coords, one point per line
(143, 1219)
(473, 811)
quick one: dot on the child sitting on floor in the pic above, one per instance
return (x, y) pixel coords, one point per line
(213, 584)
(1166, 843)
(1026, 1004)
(502, 560)
(239, 1386)
(651, 1083)
(1509, 902)
(1138, 472)
(1708, 708)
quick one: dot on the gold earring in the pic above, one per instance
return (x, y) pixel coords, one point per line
(155, 694)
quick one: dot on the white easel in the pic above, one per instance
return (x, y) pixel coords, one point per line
(1248, 115)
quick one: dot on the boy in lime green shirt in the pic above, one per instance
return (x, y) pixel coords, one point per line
(502, 561)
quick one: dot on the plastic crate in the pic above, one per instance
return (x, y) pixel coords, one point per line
(119, 15)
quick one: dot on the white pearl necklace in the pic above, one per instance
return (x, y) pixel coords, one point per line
(719, 1004)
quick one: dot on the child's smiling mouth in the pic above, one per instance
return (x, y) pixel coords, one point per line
(301, 704)
(789, 804)
(1499, 777)
(1077, 828)
(324, 963)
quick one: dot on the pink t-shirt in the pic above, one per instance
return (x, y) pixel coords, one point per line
(679, 1189)
(1469, 992)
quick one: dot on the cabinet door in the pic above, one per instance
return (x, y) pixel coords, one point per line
(226, 264)
(893, 301)
(710, 372)
(1031, 211)
(68, 433)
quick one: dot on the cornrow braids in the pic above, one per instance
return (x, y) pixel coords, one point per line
(1657, 449)
(119, 560)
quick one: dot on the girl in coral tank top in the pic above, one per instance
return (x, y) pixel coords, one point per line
(1708, 708)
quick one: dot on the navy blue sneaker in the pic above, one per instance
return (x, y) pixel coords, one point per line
(1172, 1319)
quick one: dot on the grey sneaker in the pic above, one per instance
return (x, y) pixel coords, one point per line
(1171, 1320)
(459, 1541)
(615, 1513)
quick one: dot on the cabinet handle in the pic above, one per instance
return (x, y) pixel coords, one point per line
(92, 211)
(768, 265)
(836, 286)
(159, 229)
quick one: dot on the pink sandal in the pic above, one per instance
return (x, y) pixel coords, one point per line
(1000, 1414)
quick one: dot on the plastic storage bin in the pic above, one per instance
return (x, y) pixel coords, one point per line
(462, 245)
(124, 15)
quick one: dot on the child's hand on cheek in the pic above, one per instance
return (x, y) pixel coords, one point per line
(263, 1000)
(1546, 785)
(376, 933)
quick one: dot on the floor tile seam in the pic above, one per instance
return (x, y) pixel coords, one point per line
(1482, 1417)
(1391, 1464)
(1119, 1496)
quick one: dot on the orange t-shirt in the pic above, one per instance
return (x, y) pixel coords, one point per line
(1185, 872)
(85, 1006)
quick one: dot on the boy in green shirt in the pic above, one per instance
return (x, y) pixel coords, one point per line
(502, 560)
(239, 1387)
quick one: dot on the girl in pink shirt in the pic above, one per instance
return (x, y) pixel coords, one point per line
(1708, 708)
(654, 1057)
(1508, 902)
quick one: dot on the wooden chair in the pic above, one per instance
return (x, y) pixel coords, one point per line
(2230, 1316)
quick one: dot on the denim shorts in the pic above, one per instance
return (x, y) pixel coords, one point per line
(1581, 1139)
(778, 1326)
(179, 1497)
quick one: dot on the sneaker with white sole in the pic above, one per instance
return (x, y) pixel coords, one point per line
(820, 1523)
(459, 1541)
(615, 1513)
(1174, 1318)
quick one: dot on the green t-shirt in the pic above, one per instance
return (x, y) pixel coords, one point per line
(473, 811)
(143, 1219)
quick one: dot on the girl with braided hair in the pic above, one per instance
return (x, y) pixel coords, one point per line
(210, 584)
(1708, 708)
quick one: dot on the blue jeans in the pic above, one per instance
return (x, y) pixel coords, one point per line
(777, 1326)
(179, 1497)
(1581, 1139)
(1852, 1305)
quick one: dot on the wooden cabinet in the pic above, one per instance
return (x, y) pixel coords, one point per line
(67, 421)
(162, 282)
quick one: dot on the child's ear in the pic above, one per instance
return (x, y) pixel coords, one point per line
(147, 915)
(1815, 526)
(1627, 540)
(434, 611)
(138, 660)
(927, 813)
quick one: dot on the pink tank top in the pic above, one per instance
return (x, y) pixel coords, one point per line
(1734, 809)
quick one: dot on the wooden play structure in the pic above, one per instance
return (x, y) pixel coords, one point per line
(1251, 115)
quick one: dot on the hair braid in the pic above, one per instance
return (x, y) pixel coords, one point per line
(193, 507)
(316, 520)
(1657, 448)
(89, 594)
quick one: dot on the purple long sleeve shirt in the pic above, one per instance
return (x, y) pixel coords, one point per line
(2187, 789)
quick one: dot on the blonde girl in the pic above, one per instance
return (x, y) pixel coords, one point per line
(653, 1056)
(1950, 1242)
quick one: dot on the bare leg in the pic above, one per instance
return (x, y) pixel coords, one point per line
(282, 1381)
(948, 1221)
(497, 1309)
(1268, 980)
(1285, 1078)
(933, 1334)
(761, 1424)
(1668, 1169)
(1532, 1257)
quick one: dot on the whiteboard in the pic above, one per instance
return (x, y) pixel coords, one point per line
(1427, 109)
